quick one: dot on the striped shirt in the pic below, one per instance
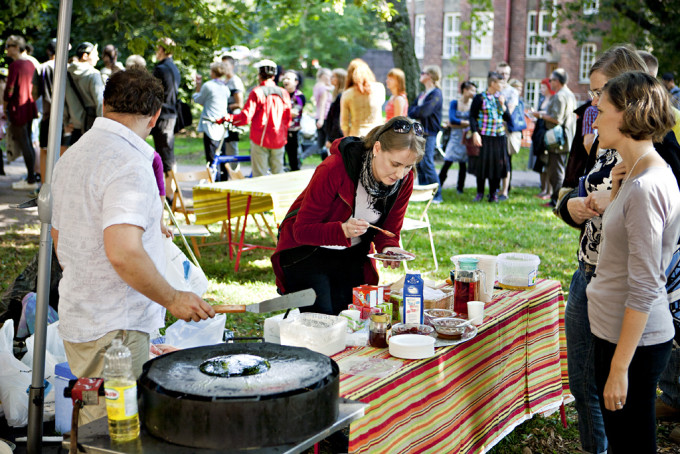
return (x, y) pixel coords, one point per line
(589, 117)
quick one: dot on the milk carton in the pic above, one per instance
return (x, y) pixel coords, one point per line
(412, 311)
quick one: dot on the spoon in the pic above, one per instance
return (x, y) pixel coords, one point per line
(386, 232)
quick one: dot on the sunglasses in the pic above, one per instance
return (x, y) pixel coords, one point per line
(404, 127)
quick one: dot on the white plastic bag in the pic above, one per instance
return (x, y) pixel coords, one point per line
(54, 352)
(181, 273)
(15, 378)
(183, 334)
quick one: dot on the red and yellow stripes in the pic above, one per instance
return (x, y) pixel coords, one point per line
(466, 397)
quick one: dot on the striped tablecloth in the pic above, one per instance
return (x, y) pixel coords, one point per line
(268, 193)
(469, 396)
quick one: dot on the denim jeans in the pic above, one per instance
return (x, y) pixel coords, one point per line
(426, 171)
(633, 428)
(669, 382)
(581, 363)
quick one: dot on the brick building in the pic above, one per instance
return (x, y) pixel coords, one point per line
(515, 31)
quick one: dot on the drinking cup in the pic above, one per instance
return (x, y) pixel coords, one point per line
(476, 312)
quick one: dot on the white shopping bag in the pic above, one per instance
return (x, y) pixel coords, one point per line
(183, 334)
(181, 273)
(15, 378)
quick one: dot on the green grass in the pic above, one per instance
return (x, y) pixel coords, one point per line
(459, 226)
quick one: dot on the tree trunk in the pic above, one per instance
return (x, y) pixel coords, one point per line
(403, 52)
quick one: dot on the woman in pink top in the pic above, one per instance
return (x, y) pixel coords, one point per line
(397, 105)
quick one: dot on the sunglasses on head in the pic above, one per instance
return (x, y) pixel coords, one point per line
(404, 127)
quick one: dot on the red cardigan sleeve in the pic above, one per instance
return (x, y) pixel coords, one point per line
(319, 220)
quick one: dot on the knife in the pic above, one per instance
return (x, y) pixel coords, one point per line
(296, 299)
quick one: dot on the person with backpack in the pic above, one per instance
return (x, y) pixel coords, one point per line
(84, 92)
(267, 110)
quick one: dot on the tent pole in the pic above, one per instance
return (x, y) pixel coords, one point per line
(37, 390)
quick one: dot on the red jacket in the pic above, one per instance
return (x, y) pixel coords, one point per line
(328, 201)
(268, 116)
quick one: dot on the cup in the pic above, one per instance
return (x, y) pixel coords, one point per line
(476, 312)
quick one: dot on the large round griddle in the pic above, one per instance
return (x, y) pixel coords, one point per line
(294, 399)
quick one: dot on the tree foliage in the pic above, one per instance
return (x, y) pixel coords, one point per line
(648, 24)
(315, 32)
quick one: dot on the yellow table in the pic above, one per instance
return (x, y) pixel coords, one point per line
(217, 202)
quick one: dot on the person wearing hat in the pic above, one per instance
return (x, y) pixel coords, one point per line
(267, 110)
(84, 91)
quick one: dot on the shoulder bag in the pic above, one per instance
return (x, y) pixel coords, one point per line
(90, 111)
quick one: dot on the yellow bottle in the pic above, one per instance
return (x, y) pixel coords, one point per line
(121, 393)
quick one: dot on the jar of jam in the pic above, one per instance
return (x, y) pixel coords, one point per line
(378, 330)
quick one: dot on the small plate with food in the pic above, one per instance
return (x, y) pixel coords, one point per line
(390, 256)
(452, 331)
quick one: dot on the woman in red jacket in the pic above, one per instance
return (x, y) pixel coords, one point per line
(325, 238)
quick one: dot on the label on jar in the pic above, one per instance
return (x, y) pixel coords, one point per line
(121, 402)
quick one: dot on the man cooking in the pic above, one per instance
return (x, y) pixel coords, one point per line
(106, 217)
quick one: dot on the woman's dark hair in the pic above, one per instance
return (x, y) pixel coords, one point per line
(391, 140)
(467, 84)
(134, 92)
(493, 77)
(645, 103)
(298, 77)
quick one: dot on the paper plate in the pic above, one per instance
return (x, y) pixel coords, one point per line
(398, 258)
(411, 346)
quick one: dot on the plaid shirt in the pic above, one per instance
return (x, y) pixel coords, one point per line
(490, 117)
(589, 117)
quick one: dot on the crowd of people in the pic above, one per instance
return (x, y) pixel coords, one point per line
(610, 168)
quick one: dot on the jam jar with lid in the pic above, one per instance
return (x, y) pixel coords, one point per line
(378, 331)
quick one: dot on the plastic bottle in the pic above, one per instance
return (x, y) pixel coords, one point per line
(121, 393)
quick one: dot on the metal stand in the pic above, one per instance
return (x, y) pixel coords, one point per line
(94, 438)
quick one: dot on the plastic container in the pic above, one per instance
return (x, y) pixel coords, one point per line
(120, 385)
(63, 406)
(517, 271)
(325, 334)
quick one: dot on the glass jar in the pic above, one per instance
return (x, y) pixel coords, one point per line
(467, 280)
(378, 330)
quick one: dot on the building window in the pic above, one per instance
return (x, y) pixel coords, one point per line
(532, 90)
(419, 39)
(587, 59)
(480, 82)
(449, 92)
(451, 34)
(591, 7)
(539, 29)
(481, 47)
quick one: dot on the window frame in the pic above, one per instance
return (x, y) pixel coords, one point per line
(449, 93)
(481, 48)
(584, 66)
(536, 39)
(453, 35)
(591, 7)
(532, 94)
(419, 35)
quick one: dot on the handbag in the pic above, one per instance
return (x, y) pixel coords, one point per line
(470, 148)
(184, 116)
(90, 111)
(517, 121)
(554, 139)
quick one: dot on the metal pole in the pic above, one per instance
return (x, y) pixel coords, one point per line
(37, 390)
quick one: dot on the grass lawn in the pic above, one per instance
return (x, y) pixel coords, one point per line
(459, 225)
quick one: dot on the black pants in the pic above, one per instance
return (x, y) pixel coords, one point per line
(494, 184)
(331, 273)
(292, 150)
(632, 429)
(210, 148)
(164, 141)
(22, 137)
(462, 173)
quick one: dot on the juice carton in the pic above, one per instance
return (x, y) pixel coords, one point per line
(413, 299)
(361, 295)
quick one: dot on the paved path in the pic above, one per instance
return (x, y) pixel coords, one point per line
(11, 217)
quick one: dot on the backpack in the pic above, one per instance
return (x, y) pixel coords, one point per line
(518, 122)
(673, 289)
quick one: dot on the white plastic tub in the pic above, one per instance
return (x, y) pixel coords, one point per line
(321, 333)
(517, 271)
